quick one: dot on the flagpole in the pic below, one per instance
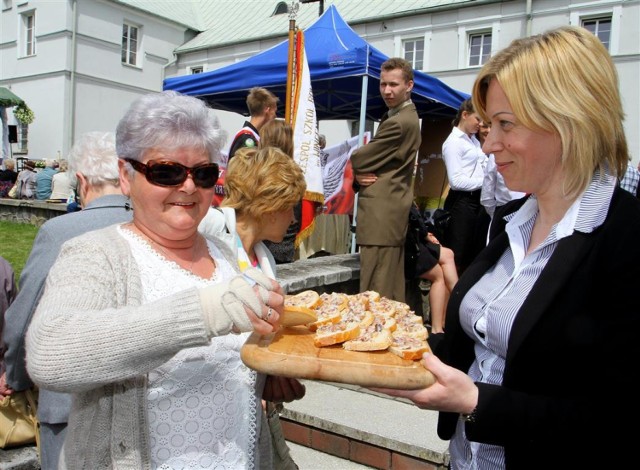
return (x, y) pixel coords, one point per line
(293, 11)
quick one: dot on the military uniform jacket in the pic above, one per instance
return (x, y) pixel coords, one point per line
(383, 207)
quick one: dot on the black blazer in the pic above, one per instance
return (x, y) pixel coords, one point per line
(567, 397)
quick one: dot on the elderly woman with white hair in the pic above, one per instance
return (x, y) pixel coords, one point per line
(143, 322)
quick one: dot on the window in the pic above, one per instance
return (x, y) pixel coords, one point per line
(197, 69)
(601, 27)
(28, 33)
(130, 43)
(414, 52)
(479, 48)
(23, 134)
(281, 9)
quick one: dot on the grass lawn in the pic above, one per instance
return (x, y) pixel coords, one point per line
(16, 243)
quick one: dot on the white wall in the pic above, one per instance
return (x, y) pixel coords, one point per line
(104, 87)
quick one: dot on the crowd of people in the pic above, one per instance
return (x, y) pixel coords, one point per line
(50, 181)
(131, 312)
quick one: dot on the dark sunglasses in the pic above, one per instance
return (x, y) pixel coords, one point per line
(171, 174)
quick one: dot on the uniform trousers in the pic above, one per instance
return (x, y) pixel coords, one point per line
(382, 270)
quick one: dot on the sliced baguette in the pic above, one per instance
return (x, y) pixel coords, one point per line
(383, 307)
(415, 330)
(364, 318)
(325, 314)
(307, 298)
(407, 318)
(336, 333)
(293, 316)
(399, 306)
(371, 338)
(386, 323)
(408, 347)
(335, 298)
(368, 296)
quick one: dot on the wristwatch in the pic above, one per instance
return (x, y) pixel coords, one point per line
(471, 417)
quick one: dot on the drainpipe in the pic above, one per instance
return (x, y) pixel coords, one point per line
(529, 17)
(72, 81)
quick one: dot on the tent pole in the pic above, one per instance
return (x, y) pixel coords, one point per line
(363, 117)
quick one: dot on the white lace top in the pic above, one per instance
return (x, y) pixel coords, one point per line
(203, 405)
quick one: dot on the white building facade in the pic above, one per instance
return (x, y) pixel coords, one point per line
(78, 64)
(80, 77)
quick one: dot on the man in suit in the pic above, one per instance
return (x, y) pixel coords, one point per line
(94, 161)
(383, 171)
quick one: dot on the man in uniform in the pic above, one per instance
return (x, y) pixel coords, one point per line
(262, 105)
(383, 171)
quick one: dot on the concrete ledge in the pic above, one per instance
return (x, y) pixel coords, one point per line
(30, 211)
(339, 273)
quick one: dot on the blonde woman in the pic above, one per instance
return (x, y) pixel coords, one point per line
(538, 365)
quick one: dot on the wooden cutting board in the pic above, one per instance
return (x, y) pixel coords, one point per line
(290, 352)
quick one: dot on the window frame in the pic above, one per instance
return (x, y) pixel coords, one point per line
(465, 31)
(23, 139)
(597, 20)
(579, 15)
(126, 49)
(28, 34)
(196, 69)
(485, 37)
(414, 52)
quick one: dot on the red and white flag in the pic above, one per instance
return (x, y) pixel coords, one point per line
(305, 140)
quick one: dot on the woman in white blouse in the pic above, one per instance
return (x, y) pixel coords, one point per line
(465, 162)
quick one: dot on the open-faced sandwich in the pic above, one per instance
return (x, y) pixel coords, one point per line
(362, 322)
(384, 306)
(325, 314)
(308, 298)
(336, 333)
(371, 338)
(408, 347)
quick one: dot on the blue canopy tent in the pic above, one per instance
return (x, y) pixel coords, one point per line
(344, 69)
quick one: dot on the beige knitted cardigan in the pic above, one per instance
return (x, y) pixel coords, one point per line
(91, 336)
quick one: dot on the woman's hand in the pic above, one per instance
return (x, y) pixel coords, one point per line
(282, 389)
(453, 391)
(272, 308)
(271, 299)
